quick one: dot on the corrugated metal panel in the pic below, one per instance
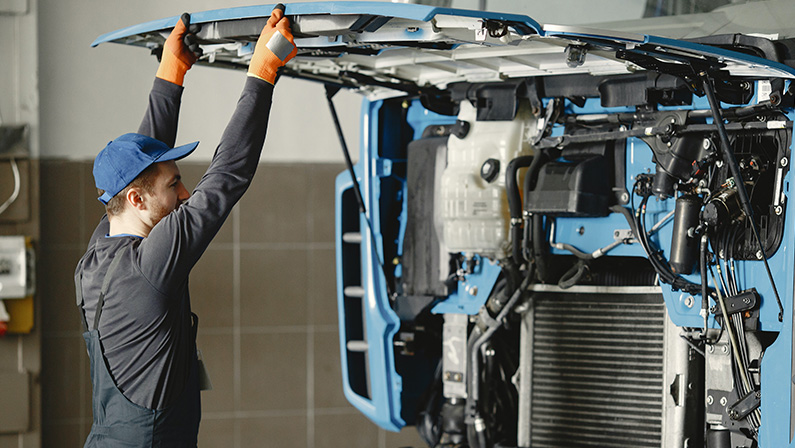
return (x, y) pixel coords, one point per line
(597, 371)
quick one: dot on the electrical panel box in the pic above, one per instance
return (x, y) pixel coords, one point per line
(17, 273)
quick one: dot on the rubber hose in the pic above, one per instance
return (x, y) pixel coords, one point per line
(515, 204)
(573, 275)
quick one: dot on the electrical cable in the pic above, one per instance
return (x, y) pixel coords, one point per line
(727, 323)
(17, 185)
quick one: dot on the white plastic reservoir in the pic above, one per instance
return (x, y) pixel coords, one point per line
(473, 213)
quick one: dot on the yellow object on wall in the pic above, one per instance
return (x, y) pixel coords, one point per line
(21, 312)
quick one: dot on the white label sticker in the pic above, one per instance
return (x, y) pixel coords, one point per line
(763, 90)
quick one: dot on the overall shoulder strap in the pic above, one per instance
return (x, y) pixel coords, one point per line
(79, 293)
(104, 290)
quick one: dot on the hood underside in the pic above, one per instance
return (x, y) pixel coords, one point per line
(389, 49)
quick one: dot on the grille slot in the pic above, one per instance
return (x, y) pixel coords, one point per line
(597, 370)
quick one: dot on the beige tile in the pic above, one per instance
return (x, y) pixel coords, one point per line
(56, 291)
(8, 350)
(60, 206)
(408, 437)
(273, 371)
(278, 431)
(218, 354)
(328, 371)
(212, 288)
(322, 287)
(273, 287)
(348, 430)
(60, 435)
(321, 179)
(191, 172)
(274, 209)
(61, 377)
(92, 208)
(217, 432)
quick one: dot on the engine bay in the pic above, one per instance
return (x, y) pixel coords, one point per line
(580, 252)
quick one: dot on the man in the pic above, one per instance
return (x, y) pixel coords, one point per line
(132, 282)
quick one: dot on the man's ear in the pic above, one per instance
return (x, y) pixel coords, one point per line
(135, 198)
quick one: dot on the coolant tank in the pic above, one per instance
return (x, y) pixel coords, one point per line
(473, 213)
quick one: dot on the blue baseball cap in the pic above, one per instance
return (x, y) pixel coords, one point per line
(126, 157)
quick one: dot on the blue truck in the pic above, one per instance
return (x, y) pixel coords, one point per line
(554, 236)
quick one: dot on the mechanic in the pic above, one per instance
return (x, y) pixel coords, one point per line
(132, 282)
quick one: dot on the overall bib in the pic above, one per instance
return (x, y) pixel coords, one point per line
(118, 422)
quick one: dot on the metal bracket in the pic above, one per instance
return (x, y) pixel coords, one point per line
(745, 406)
(744, 301)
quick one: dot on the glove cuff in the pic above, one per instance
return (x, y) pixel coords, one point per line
(173, 71)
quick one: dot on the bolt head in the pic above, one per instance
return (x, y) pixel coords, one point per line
(710, 400)
(784, 161)
(689, 301)
(723, 401)
(759, 255)
(778, 210)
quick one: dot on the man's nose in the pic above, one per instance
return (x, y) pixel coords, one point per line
(184, 194)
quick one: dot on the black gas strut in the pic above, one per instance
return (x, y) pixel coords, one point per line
(728, 158)
(330, 92)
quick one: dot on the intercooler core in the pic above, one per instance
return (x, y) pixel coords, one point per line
(603, 367)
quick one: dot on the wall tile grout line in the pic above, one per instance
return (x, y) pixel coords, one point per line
(310, 348)
(236, 356)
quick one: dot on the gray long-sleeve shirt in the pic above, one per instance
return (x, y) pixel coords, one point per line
(145, 326)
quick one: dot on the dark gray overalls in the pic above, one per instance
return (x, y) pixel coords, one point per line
(118, 422)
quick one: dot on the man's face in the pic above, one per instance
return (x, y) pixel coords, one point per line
(168, 192)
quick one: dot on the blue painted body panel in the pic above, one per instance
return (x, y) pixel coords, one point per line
(473, 290)
(421, 13)
(381, 323)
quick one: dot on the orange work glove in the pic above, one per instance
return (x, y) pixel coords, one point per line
(180, 51)
(275, 47)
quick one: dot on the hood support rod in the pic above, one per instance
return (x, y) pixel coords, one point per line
(728, 158)
(332, 90)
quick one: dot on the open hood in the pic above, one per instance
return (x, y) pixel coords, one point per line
(389, 49)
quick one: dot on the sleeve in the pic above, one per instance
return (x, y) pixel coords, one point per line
(162, 113)
(175, 244)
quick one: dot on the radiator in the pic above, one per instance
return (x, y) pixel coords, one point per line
(601, 367)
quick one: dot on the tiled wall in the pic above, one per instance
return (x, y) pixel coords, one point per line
(21, 353)
(265, 295)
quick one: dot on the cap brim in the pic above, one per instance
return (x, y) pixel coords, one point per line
(177, 152)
